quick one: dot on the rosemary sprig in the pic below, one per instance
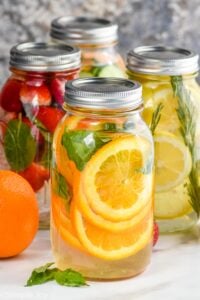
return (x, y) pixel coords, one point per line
(156, 118)
(187, 116)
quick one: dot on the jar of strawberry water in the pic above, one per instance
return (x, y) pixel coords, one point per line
(30, 108)
(102, 180)
(97, 38)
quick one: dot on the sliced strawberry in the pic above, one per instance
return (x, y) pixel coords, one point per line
(35, 95)
(49, 117)
(10, 96)
(36, 175)
(155, 233)
(58, 89)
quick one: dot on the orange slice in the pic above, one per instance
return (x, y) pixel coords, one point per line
(114, 181)
(63, 223)
(98, 220)
(113, 245)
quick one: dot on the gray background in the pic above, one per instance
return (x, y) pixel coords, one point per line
(172, 22)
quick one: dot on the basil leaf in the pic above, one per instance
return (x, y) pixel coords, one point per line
(19, 145)
(61, 188)
(81, 145)
(69, 277)
(41, 275)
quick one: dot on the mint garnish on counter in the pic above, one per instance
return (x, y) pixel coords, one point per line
(46, 273)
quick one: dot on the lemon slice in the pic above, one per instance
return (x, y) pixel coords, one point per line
(172, 204)
(154, 95)
(172, 159)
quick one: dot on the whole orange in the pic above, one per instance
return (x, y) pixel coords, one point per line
(19, 215)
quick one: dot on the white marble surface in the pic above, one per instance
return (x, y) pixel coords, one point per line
(174, 274)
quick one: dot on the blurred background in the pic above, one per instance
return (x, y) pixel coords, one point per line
(167, 22)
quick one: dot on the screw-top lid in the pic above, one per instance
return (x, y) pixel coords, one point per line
(44, 57)
(162, 60)
(80, 30)
(103, 93)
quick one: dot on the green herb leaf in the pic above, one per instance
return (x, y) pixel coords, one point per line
(156, 118)
(45, 273)
(187, 115)
(81, 145)
(19, 145)
(41, 275)
(61, 187)
(70, 277)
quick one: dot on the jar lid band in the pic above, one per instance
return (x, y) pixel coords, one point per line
(162, 60)
(103, 93)
(44, 57)
(81, 30)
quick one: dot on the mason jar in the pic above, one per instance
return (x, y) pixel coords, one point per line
(30, 108)
(97, 39)
(172, 111)
(102, 180)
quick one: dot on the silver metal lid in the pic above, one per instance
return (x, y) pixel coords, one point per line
(80, 30)
(44, 57)
(162, 60)
(103, 93)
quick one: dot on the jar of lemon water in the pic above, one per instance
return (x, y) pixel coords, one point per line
(102, 180)
(172, 111)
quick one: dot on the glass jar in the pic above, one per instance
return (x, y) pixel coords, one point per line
(172, 110)
(30, 108)
(97, 39)
(102, 180)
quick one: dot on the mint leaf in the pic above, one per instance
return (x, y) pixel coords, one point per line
(41, 275)
(61, 188)
(69, 277)
(81, 145)
(19, 145)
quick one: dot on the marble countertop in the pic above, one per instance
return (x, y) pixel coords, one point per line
(174, 274)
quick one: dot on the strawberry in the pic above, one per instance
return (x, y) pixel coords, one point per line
(58, 89)
(155, 233)
(35, 95)
(10, 96)
(49, 117)
(36, 175)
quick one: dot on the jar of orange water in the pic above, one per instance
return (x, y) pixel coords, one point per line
(172, 110)
(102, 180)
